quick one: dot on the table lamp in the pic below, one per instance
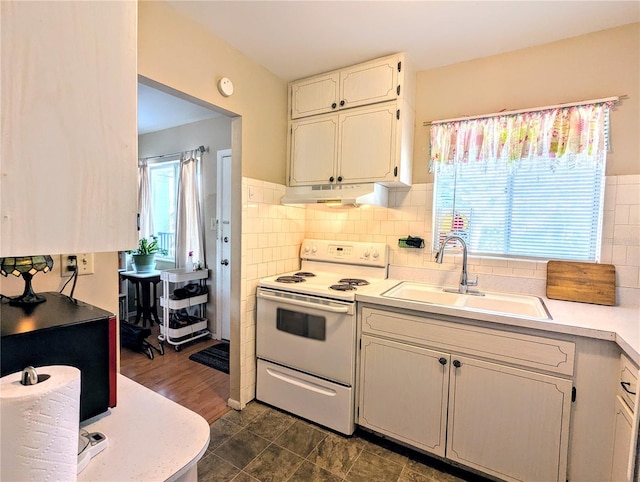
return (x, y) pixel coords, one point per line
(26, 267)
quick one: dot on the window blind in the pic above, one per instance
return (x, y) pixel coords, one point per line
(545, 203)
(527, 212)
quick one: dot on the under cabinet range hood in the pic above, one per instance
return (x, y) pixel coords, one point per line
(340, 195)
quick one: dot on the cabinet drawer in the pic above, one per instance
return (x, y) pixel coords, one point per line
(628, 383)
(524, 350)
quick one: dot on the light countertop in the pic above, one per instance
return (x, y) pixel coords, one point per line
(150, 438)
(618, 324)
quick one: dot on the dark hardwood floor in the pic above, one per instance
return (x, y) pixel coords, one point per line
(190, 384)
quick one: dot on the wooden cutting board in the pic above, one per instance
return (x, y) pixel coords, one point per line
(583, 282)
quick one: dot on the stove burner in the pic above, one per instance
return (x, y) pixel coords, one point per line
(354, 281)
(290, 279)
(343, 287)
(304, 274)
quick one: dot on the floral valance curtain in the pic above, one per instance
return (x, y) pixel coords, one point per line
(559, 134)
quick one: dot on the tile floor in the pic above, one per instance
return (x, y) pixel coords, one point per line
(261, 443)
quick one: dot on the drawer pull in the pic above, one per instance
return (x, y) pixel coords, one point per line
(625, 386)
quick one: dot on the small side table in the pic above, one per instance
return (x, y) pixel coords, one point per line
(146, 295)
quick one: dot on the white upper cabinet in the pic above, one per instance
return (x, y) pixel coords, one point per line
(316, 95)
(331, 149)
(69, 135)
(371, 82)
(368, 83)
(352, 126)
(313, 150)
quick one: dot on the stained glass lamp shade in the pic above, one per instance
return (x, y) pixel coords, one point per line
(26, 266)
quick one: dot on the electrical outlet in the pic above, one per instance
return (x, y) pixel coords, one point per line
(83, 262)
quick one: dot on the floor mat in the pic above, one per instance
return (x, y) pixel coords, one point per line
(216, 356)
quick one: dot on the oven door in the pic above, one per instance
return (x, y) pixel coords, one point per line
(310, 334)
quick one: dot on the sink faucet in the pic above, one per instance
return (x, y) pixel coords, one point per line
(464, 282)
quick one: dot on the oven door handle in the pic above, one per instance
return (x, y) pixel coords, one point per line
(308, 304)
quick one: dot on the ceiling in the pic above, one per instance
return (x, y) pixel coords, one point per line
(294, 39)
(158, 110)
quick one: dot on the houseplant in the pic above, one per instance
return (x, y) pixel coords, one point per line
(143, 256)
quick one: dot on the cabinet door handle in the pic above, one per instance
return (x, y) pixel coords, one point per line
(334, 105)
(457, 364)
(442, 360)
(341, 103)
(339, 178)
(331, 179)
(625, 387)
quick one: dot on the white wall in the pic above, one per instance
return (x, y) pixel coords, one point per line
(592, 66)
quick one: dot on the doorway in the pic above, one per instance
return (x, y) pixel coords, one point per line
(189, 122)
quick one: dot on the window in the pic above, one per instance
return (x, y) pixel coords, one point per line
(169, 193)
(545, 203)
(163, 187)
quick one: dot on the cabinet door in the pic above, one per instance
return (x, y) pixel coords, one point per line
(510, 423)
(620, 470)
(403, 392)
(367, 149)
(69, 136)
(316, 95)
(369, 83)
(313, 147)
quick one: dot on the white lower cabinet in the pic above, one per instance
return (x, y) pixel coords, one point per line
(403, 393)
(625, 433)
(509, 422)
(622, 442)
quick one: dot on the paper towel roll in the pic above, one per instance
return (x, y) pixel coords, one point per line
(39, 426)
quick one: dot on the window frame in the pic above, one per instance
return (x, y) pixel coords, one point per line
(174, 162)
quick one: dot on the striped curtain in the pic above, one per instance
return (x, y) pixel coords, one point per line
(144, 200)
(189, 221)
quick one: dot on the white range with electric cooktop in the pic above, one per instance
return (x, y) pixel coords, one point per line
(306, 330)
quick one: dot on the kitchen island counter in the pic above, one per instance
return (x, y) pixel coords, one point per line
(150, 438)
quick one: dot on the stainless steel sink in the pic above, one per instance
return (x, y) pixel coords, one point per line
(501, 303)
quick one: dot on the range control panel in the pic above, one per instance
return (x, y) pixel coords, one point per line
(348, 252)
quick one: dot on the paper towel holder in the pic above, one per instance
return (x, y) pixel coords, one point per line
(30, 376)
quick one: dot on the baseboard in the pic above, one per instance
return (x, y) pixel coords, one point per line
(235, 404)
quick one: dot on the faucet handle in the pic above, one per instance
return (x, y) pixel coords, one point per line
(473, 283)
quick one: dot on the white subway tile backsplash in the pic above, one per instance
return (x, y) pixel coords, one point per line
(634, 214)
(629, 179)
(627, 276)
(626, 234)
(621, 215)
(633, 256)
(627, 194)
(610, 191)
(618, 255)
(272, 233)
